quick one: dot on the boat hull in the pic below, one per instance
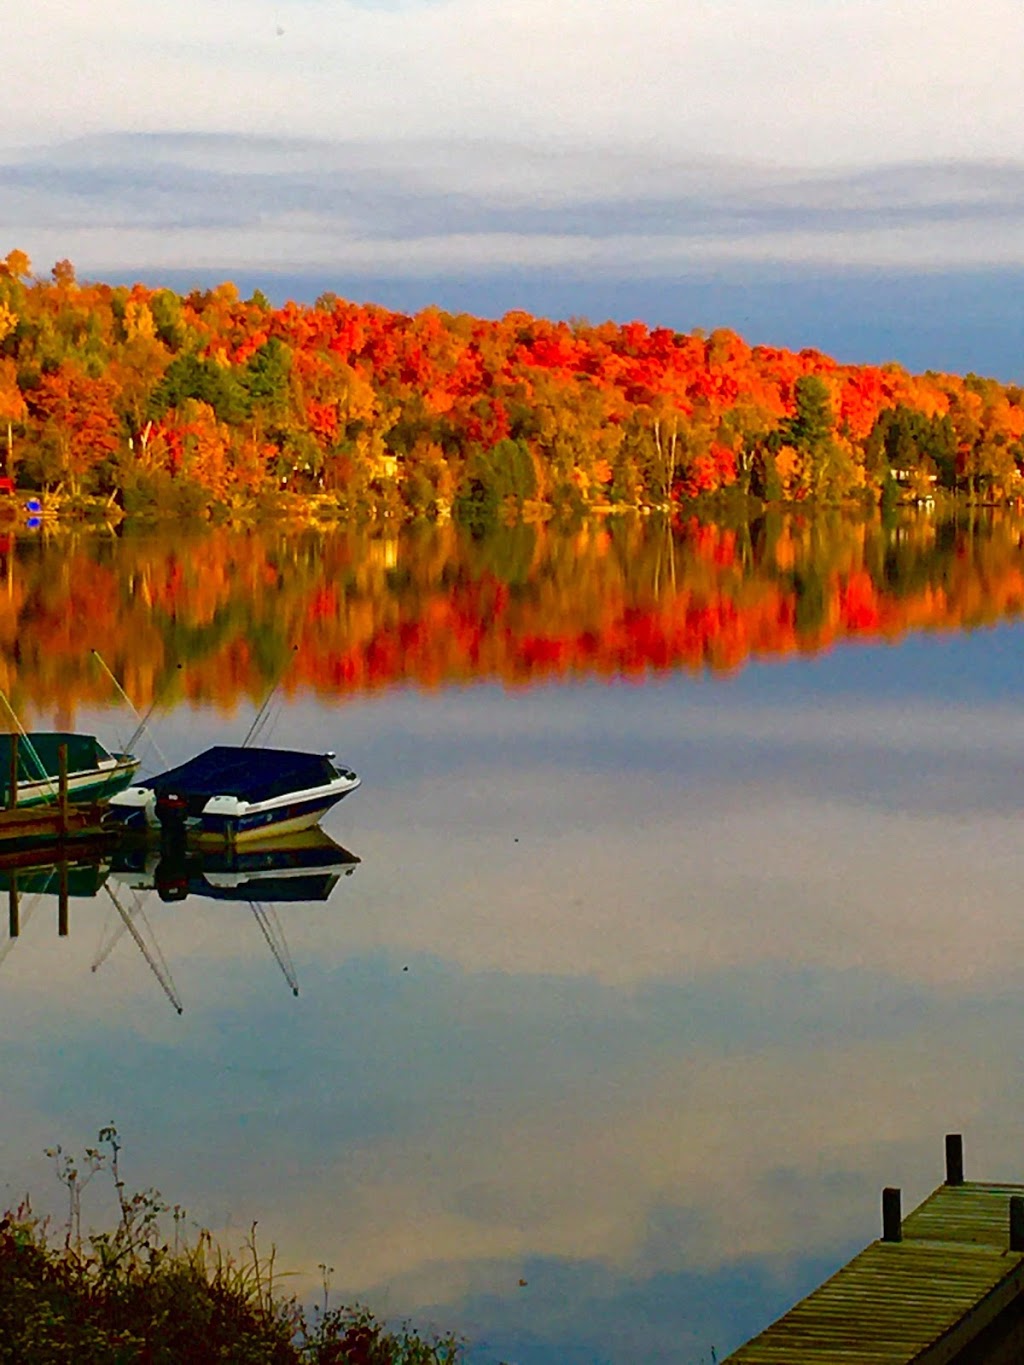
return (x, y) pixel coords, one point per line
(94, 785)
(213, 829)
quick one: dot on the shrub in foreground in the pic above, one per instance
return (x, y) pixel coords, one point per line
(129, 1297)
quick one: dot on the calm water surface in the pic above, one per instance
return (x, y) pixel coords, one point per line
(641, 989)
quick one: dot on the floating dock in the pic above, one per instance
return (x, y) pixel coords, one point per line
(46, 824)
(945, 1286)
(34, 827)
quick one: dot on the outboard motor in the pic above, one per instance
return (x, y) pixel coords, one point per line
(172, 812)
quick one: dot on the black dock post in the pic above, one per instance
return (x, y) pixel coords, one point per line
(892, 1215)
(954, 1159)
(1016, 1223)
(62, 787)
(62, 899)
(13, 913)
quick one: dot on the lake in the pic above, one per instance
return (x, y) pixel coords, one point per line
(686, 912)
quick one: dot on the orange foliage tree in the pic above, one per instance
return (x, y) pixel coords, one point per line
(385, 412)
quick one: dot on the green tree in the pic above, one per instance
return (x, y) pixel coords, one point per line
(266, 376)
(811, 426)
(168, 318)
(826, 466)
(189, 377)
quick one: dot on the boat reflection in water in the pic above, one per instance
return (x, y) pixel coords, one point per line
(298, 867)
(294, 868)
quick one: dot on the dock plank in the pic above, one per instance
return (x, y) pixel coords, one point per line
(29, 826)
(920, 1300)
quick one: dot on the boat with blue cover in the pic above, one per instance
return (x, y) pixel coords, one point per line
(230, 793)
(93, 773)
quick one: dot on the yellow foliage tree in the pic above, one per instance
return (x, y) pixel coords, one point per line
(8, 320)
(12, 406)
(16, 265)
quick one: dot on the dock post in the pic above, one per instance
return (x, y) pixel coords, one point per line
(13, 911)
(62, 900)
(12, 781)
(954, 1159)
(62, 786)
(1016, 1222)
(892, 1215)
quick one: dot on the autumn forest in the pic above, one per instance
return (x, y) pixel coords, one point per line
(202, 403)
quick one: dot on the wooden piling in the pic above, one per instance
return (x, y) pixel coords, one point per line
(1016, 1223)
(62, 900)
(954, 1159)
(12, 781)
(62, 786)
(13, 908)
(892, 1215)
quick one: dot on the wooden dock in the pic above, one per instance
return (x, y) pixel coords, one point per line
(945, 1286)
(31, 827)
(46, 824)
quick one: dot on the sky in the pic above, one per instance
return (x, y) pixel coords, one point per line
(844, 175)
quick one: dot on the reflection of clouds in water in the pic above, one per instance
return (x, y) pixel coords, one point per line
(463, 1128)
(744, 877)
(599, 1173)
(723, 988)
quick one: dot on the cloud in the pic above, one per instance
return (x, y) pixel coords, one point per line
(800, 81)
(437, 207)
(558, 149)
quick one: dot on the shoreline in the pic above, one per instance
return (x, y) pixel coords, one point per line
(34, 508)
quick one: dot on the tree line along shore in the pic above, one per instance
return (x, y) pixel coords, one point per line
(152, 402)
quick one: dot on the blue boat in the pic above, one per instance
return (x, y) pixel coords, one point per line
(231, 794)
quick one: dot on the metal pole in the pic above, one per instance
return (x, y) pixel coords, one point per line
(134, 709)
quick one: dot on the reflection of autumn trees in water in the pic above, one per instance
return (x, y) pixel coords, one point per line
(215, 617)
